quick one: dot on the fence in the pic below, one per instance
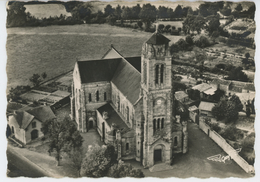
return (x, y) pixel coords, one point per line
(226, 147)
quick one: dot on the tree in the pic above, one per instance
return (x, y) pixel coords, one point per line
(140, 24)
(238, 105)
(203, 10)
(183, 45)
(202, 42)
(239, 7)
(126, 13)
(218, 111)
(82, 11)
(76, 156)
(189, 40)
(16, 15)
(193, 23)
(170, 13)
(136, 11)
(178, 12)
(118, 12)
(122, 169)
(213, 25)
(218, 94)
(98, 161)
(44, 75)
(148, 15)
(237, 74)
(108, 10)
(226, 11)
(14, 93)
(63, 137)
(231, 112)
(162, 12)
(36, 80)
(248, 111)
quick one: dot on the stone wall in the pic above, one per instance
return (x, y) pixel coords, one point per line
(226, 147)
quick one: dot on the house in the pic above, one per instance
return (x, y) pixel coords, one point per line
(246, 99)
(205, 108)
(25, 125)
(128, 100)
(181, 96)
(193, 113)
(206, 90)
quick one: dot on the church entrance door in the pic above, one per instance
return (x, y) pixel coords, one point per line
(157, 156)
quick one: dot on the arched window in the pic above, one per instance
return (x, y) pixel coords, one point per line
(89, 97)
(157, 74)
(154, 125)
(162, 70)
(127, 146)
(114, 132)
(105, 96)
(118, 103)
(175, 141)
(127, 113)
(145, 73)
(12, 129)
(158, 123)
(97, 96)
(162, 123)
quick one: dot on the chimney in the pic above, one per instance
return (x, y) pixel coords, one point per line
(105, 115)
(178, 118)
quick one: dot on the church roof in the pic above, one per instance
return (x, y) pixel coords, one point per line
(127, 80)
(97, 70)
(135, 62)
(113, 117)
(157, 39)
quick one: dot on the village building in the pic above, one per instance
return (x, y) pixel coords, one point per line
(205, 109)
(25, 124)
(129, 101)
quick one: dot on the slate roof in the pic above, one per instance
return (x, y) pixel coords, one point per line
(113, 117)
(250, 86)
(135, 62)
(97, 70)
(23, 118)
(206, 106)
(157, 39)
(127, 79)
(42, 113)
(210, 91)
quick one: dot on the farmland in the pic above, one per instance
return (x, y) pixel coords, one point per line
(55, 49)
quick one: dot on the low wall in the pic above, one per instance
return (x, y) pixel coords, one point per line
(226, 147)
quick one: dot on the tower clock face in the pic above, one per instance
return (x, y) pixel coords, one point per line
(159, 107)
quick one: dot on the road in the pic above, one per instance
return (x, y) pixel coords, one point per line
(20, 166)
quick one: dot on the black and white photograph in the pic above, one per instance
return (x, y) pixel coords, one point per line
(126, 88)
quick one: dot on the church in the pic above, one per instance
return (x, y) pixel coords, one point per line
(129, 101)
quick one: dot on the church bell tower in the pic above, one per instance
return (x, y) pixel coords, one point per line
(156, 85)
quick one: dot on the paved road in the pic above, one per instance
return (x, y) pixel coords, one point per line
(19, 166)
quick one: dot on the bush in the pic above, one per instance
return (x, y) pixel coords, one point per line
(173, 27)
(175, 32)
(230, 133)
(221, 39)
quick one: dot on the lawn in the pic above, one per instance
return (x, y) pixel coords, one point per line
(55, 49)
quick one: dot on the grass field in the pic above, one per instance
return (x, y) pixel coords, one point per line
(55, 49)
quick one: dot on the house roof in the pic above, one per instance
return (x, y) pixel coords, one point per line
(113, 117)
(23, 118)
(244, 97)
(127, 79)
(192, 108)
(201, 87)
(180, 95)
(157, 39)
(206, 106)
(210, 91)
(42, 113)
(217, 81)
(97, 70)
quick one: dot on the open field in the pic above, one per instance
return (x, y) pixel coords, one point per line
(55, 49)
